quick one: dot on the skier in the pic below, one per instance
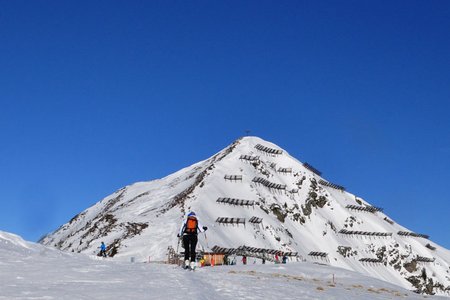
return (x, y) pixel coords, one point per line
(284, 259)
(188, 231)
(244, 259)
(103, 250)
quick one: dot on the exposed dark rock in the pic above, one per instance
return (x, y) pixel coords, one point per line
(279, 212)
(306, 209)
(321, 201)
(346, 251)
(380, 253)
(410, 266)
(299, 218)
(134, 229)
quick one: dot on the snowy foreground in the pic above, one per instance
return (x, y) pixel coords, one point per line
(32, 271)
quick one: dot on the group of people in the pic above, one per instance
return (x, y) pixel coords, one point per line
(188, 234)
(283, 259)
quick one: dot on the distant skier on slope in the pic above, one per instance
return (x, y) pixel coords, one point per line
(188, 231)
(103, 250)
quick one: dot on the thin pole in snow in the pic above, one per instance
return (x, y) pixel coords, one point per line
(206, 240)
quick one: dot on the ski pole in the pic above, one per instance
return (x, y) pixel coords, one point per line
(178, 244)
(177, 254)
(206, 239)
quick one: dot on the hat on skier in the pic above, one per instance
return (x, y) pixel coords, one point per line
(191, 214)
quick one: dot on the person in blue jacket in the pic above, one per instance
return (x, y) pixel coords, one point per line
(188, 232)
(103, 250)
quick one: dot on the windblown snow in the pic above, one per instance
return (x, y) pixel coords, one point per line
(256, 199)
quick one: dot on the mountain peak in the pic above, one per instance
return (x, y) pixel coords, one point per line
(257, 199)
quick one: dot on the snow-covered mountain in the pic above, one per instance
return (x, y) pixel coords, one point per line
(254, 194)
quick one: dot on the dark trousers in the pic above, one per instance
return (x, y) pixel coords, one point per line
(189, 243)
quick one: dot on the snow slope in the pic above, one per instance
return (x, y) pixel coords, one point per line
(301, 213)
(32, 271)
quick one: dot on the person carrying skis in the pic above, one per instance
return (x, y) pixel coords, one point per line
(188, 231)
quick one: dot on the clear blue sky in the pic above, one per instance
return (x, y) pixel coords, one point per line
(96, 95)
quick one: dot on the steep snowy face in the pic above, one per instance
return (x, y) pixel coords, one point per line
(257, 198)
